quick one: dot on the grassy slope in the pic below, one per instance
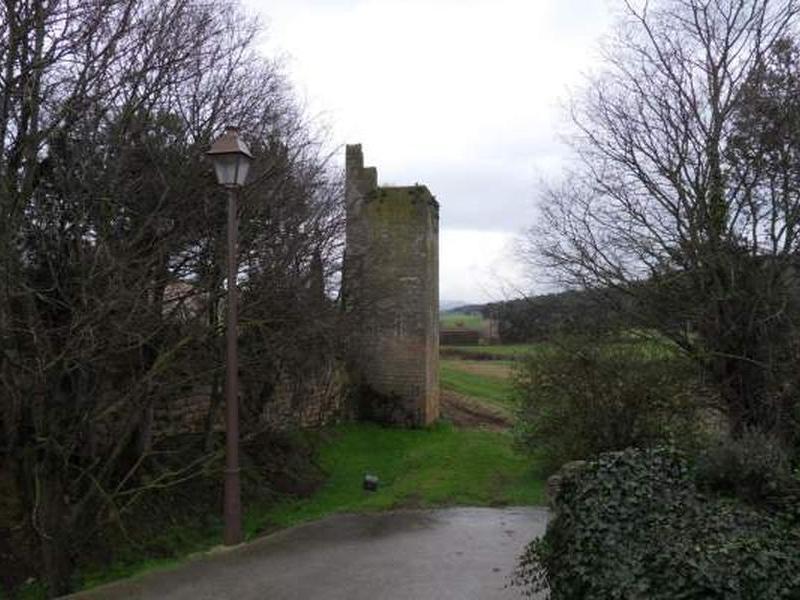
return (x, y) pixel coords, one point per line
(437, 466)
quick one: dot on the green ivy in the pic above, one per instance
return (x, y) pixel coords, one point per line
(632, 525)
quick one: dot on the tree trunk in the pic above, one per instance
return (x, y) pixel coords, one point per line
(214, 403)
(51, 520)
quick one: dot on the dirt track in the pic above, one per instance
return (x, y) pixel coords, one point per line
(485, 368)
(468, 413)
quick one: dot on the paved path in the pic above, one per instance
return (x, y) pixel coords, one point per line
(459, 553)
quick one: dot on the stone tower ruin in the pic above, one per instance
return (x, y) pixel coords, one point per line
(391, 292)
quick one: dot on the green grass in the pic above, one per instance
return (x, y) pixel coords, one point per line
(496, 368)
(437, 466)
(122, 569)
(493, 390)
(461, 321)
(29, 591)
(497, 351)
(648, 346)
(176, 542)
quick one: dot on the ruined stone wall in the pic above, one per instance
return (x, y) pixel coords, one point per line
(317, 397)
(391, 289)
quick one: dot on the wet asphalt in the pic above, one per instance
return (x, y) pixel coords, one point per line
(457, 553)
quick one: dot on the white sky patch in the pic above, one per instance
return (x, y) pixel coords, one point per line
(464, 96)
(478, 266)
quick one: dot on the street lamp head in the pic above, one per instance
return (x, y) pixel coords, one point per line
(231, 158)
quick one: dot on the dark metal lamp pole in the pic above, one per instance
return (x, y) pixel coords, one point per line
(231, 159)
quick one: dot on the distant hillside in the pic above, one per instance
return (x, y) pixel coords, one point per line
(449, 305)
(464, 308)
(542, 317)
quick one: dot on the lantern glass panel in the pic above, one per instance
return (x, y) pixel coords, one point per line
(243, 168)
(225, 168)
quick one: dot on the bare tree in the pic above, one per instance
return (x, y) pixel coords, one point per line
(676, 202)
(106, 110)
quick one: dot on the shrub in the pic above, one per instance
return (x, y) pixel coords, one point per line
(631, 525)
(583, 398)
(754, 467)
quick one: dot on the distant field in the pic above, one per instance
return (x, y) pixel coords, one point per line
(648, 347)
(461, 321)
(488, 383)
(483, 373)
(498, 369)
(493, 352)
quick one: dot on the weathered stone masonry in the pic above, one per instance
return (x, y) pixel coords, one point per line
(391, 289)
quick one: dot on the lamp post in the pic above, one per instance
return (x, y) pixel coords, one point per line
(231, 159)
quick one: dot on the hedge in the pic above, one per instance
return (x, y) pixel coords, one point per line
(632, 525)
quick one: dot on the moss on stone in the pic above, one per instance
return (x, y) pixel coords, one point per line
(399, 204)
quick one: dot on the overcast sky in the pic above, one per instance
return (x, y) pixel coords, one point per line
(464, 96)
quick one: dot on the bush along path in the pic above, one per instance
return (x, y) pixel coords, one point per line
(633, 525)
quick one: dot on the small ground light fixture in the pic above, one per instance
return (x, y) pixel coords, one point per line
(371, 483)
